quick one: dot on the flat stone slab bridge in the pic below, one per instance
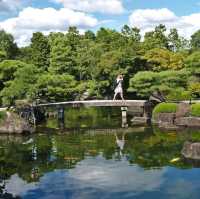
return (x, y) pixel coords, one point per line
(97, 103)
(124, 104)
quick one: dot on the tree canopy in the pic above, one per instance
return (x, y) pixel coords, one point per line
(66, 66)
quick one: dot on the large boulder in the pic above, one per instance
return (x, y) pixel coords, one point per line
(139, 121)
(188, 121)
(183, 110)
(165, 118)
(191, 150)
(15, 124)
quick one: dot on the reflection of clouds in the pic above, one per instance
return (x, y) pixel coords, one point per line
(100, 178)
(116, 176)
(17, 186)
(92, 178)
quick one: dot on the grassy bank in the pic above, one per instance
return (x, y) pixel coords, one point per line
(165, 108)
(172, 108)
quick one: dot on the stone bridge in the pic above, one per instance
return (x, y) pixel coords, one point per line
(137, 105)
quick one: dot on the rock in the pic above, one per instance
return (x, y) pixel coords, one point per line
(188, 121)
(85, 96)
(168, 118)
(168, 126)
(191, 150)
(183, 110)
(157, 97)
(14, 124)
(139, 121)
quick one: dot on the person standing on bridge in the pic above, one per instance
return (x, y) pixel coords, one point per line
(119, 87)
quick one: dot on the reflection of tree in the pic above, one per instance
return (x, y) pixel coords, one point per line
(49, 152)
(88, 118)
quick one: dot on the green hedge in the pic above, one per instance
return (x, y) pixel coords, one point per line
(195, 110)
(165, 108)
(2, 116)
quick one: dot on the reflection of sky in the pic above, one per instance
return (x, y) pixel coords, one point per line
(17, 186)
(100, 178)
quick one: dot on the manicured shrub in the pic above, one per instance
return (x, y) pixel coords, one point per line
(165, 108)
(2, 116)
(195, 110)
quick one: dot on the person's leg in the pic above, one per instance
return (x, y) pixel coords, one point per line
(121, 95)
(114, 98)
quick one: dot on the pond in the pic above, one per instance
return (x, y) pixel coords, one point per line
(94, 158)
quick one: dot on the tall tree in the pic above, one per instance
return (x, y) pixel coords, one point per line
(156, 38)
(40, 50)
(22, 86)
(163, 59)
(131, 33)
(176, 42)
(195, 41)
(8, 69)
(61, 56)
(8, 45)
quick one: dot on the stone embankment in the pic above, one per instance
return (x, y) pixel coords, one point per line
(11, 123)
(180, 118)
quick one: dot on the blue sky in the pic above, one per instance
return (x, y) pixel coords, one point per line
(23, 17)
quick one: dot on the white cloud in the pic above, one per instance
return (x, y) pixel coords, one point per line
(9, 5)
(45, 20)
(101, 6)
(147, 19)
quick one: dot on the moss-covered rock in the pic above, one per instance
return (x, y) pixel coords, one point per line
(165, 109)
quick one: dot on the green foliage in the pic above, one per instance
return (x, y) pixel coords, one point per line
(2, 55)
(2, 116)
(40, 50)
(54, 87)
(22, 86)
(194, 89)
(8, 68)
(179, 94)
(61, 56)
(165, 108)
(132, 34)
(195, 110)
(195, 41)
(90, 62)
(144, 83)
(156, 38)
(163, 59)
(7, 45)
(193, 60)
(177, 43)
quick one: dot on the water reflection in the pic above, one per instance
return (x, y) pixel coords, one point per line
(120, 143)
(88, 118)
(83, 165)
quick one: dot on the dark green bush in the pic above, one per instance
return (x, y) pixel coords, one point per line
(195, 110)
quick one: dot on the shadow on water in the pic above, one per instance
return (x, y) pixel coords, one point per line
(110, 152)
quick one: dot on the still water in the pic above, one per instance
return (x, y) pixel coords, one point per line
(94, 158)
